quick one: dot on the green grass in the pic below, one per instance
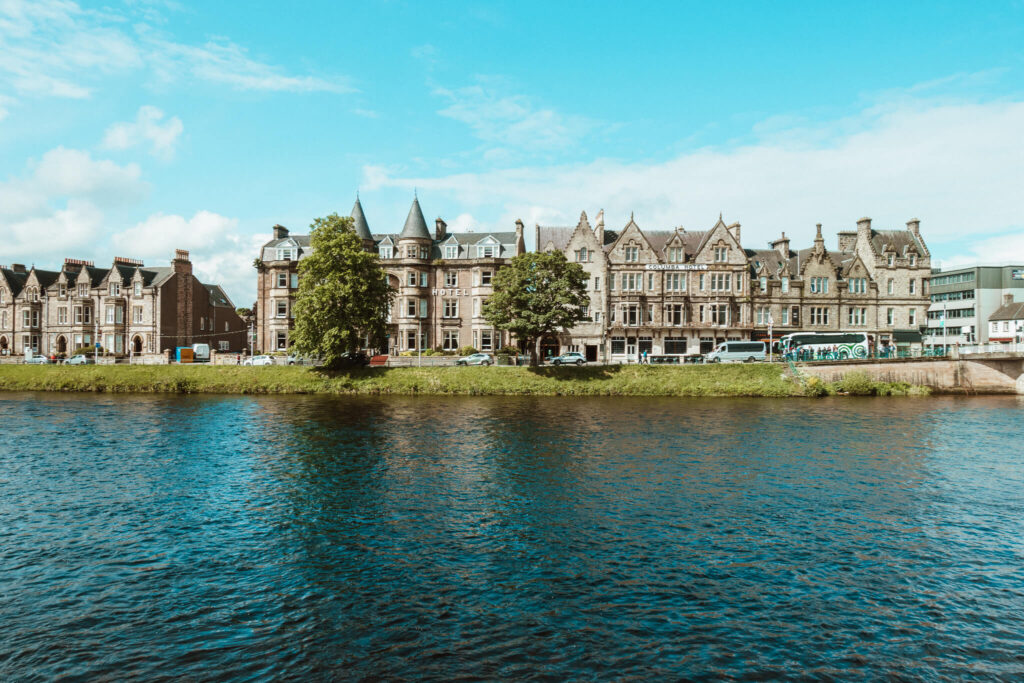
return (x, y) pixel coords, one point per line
(716, 380)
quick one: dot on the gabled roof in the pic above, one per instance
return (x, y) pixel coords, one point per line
(1010, 311)
(769, 259)
(45, 278)
(558, 236)
(300, 240)
(415, 226)
(155, 276)
(16, 281)
(900, 240)
(359, 221)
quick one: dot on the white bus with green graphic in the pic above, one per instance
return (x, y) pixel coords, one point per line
(825, 345)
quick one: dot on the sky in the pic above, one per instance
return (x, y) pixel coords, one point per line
(133, 127)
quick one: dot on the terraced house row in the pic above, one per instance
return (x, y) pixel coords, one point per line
(128, 309)
(673, 292)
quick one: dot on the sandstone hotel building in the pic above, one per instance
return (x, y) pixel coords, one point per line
(441, 278)
(666, 292)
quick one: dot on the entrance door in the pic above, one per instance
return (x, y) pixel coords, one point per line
(549, 347)
(137, 344)
(591, 351)
(62, 344)
(631, 347)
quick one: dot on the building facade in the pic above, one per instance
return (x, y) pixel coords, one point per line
(127, 309)
(1006, 325)
(441, 280)
(875, 281)
(679, 292)
(963, 299)
(660, 292)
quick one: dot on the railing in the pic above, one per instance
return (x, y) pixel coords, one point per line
(991, 347)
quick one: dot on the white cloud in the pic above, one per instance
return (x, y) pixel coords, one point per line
(956, 166)
(219, 253)
(149, 127)
(510, 124)
(58, 204)
(55, 48)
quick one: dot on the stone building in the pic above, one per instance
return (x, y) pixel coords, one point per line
(875, 281)
(441, 280)
(1006, 325)
(663, 292)
(128, 309)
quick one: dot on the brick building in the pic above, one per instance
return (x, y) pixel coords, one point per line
(441, 280)
(128, 309)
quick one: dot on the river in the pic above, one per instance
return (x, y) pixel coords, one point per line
(314, 538)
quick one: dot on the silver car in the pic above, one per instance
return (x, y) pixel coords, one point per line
(475, 359)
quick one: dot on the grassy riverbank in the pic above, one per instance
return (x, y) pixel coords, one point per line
(717, 380)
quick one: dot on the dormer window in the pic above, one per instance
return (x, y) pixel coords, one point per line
(913, 260)
(137, 291)
(785, 285)
(487, 251)
(675, 254)
(451, 251)
(3, 297)
(385, 251)
(83, 290)
(632, 254)
(62, 290)
(115, 289)
(285, 254)
(892, 259)
(721, 254)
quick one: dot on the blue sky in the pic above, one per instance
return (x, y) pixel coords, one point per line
(133, 128)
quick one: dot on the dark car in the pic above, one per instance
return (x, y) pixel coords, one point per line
(353, 359)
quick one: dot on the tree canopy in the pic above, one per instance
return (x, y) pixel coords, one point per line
(343, 298)
(537, 294)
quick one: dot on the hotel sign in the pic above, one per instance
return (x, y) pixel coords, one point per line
(449, 292)
(677, 266)
(1017, 274)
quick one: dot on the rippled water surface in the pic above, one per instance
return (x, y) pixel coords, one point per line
(314, 538)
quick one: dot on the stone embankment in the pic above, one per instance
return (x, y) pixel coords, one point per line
(992, 374)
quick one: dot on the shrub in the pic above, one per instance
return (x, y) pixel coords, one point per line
(87, 351)
(858, 383)
(508, 350)
(815, 387)
(467, 351)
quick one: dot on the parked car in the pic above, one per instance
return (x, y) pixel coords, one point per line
(37, 360)
(475, 359)
(353, 359)
(80, 359)
(259, 360)
(570, 358)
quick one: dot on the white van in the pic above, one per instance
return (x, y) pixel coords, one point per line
(738, 352)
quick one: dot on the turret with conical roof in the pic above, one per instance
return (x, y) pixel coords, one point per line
(361, 226)
(415, 225)
(415, 241)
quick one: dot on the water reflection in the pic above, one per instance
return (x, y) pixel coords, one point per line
(310, 537)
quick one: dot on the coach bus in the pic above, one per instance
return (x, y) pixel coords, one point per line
(825, 345)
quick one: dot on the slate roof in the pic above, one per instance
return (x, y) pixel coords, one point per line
(359, 220)
(154, 276)
(46, 277)
(1011, 311)
(415, 226)
(557, 235)
(218, 297)
(15, 280)
(900, 240)
(769, 258)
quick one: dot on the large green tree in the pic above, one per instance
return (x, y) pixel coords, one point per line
(344, 296)
(537, 294)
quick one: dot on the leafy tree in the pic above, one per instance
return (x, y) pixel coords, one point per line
(343, 296)
(243, 312)
(537, 294)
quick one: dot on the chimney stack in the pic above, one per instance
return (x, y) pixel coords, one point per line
(914, 226)
(280, 232)
(440, 229)
(181, 263)
(1007, 299)
(781, 245)
(520, 240)
(864, 229)
(18, 267)
(735, 230)
(599, 228)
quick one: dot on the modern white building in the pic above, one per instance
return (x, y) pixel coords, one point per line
(963, 300)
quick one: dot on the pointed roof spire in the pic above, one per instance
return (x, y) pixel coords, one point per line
(415, 225)
(359, 220)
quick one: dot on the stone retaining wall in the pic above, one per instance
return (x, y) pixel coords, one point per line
(1000, 376)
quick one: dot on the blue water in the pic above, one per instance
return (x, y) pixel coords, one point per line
(302, 538)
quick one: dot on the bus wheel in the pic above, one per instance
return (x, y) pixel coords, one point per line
(844, 355)
(750, 360)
